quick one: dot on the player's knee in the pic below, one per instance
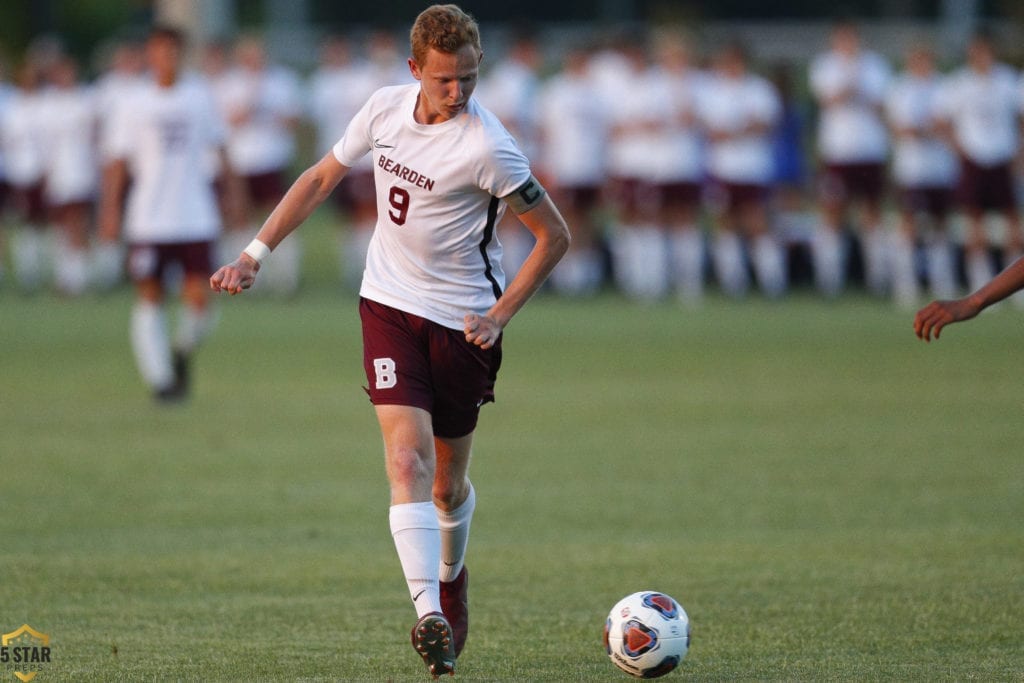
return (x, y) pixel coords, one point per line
(409, 466)
(449, 494)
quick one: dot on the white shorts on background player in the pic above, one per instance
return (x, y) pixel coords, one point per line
(166, 135)
(852, 131)
(434, 252)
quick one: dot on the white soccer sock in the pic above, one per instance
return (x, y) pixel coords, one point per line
(941, 275)
(686, 251)
(194, 324)
(28, 247)
(904, 273)
(455, 536)
(770, 265)
(417, 535)
(829, 261)
(727, 251)
(979, 269)
(151, 345)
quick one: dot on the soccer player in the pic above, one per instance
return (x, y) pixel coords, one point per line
(738, 110)
(23, 139)
(433, 301)
(162, 135)
(850, 83)
(70, 122)
(981, 107)
(925, 170)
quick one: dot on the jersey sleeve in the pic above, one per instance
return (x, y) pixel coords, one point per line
(505, 169)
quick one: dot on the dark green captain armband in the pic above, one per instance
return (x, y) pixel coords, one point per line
(526, 197)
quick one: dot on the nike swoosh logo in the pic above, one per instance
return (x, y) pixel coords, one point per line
(377, 144)
(417, 596)
(450, 564)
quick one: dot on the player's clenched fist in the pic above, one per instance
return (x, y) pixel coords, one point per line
(238, 275)
(481, 330)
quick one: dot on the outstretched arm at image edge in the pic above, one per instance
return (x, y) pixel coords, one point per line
(930, 320)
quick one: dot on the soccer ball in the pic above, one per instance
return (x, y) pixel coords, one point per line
(647, 634)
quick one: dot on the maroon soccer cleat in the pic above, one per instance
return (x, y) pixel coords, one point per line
(432, 639)
(455, 603)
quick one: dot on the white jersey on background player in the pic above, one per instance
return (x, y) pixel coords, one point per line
(430, 255)
(165, 134)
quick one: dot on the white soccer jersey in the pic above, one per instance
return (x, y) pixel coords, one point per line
(677, 155)
(110, 89)
(166, 135)
(263, 142)
(23, 138)
(6, 95)
(730, 105)
(984, 110)
(851, 131)
(635, 120)
(70, 122)
(924, 159)
(574, 128)
(434, 252)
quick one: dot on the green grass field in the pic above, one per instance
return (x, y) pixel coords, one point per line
(828, 497)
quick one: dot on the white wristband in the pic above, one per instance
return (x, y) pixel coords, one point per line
(257, 251)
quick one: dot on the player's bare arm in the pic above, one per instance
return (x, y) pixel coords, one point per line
(115, 180)
(303, 197)
(930, 320)
(552, 241)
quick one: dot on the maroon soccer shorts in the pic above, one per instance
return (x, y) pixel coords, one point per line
(412, 361)
(356, 190)
(151, 261)
(843, 182)
(266, 188)
(986, 188)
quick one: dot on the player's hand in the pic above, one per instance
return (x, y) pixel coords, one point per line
(236, 276)
(930, 320)
(481, 330)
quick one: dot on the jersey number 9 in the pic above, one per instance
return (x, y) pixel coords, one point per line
(399, 200)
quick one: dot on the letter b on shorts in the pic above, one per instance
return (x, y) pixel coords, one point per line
(385, 371)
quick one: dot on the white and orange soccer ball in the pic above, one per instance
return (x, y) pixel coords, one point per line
(647, 634)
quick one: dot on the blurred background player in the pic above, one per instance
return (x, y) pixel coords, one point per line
(23, 136)
(924, 170)
(510, 90)
(639, 247)
(849, 83)
(574, 134)
(738, 111)
(981, 108)
(6, 93)
(122, 65)
(161, 136)
(677, 163)
(263, 104)
(70, 126)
